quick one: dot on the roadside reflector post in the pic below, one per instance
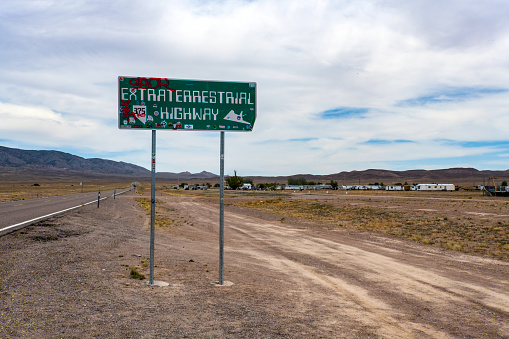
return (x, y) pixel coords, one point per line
(98, 198)
(114, 194)
(221, 210)
(152, 208)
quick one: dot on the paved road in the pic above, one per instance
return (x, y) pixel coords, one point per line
(17, 214)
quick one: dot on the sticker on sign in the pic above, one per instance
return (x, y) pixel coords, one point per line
(191, 105)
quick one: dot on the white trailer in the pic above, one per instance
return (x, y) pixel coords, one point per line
(435, 187)
(294, 187)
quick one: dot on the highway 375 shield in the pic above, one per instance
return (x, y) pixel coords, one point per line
(193, 105)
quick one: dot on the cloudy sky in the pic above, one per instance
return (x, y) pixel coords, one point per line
(341, 85)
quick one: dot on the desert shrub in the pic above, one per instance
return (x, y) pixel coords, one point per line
(134, 274)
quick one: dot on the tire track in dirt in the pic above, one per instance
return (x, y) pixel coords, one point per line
(425, 280)
(385, 294)
(356, 301)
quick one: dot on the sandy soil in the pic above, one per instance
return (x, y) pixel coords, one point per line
(68, 277)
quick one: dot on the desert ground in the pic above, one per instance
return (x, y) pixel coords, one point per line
(297, 265)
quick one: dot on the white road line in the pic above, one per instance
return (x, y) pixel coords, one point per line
(11, 228)
(14, 227)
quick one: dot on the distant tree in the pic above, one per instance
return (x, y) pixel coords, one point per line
(235, 181)
(272, 186)
(312, 183)
(504, 183)
(334, 184)
(182, 184)
(297, 181)
(398, 184)
(261, 186)
(217, 185)
(248, 181)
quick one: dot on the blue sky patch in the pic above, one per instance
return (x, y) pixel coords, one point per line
(474, 144)
(386, 142)
(303, 139)
(343, 112)
(458, 94)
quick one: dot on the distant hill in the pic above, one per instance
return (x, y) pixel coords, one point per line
(457, 176)
(28, 163)
(17, 164)
(186, 175)
(419, 175)
(13, 159)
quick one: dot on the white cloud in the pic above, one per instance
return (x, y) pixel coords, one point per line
(60, 62)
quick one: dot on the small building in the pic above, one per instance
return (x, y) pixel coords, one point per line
(294, 187)
(435, 187)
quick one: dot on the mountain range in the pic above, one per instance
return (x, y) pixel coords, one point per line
(23, 163)
(17, 163)
(457, 176)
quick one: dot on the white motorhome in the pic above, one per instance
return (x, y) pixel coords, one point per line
(394, 188)
(435, 187)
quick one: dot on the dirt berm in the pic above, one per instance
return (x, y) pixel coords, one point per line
(69, 277)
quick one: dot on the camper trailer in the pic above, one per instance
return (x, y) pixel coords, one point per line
(434, 187)
(394, 188)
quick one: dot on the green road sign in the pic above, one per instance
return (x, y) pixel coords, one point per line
(188, 105)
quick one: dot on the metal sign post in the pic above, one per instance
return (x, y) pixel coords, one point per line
(221, 210)
(185, 105)
(152, 208)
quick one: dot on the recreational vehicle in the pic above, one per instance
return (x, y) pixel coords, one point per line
(434, 187)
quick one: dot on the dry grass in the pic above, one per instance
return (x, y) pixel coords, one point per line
(450, 229)
(38, 189)
(161, 219)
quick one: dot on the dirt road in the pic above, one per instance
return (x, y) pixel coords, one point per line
(68, 277)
